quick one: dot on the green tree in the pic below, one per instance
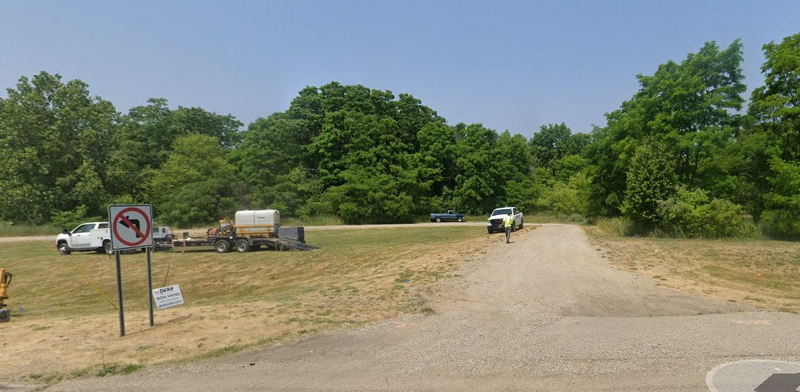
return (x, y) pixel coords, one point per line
(690, 107)
(651, 178)
(782, 215)
(147, 137)
(194, 185)
(270, 151)
(554, 141)
(478, 181)
(55, 139)
(776, 105)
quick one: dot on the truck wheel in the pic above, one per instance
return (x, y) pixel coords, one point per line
(242, 246)
(438, 220)
(63, 248)
(521, 224)
(460, 219)
(222, 246)
(490, 231)
(107, 248)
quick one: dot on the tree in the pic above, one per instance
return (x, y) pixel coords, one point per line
(478, 181)
(55, 140)
(690, 107)
(776, 105)
(651, 178)
(270, 151)
(148, 134)
(554, 141)
(194, 185)
(774, 138)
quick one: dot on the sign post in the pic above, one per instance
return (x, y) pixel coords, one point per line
(119, 295)
(150, 287)
(131, 228)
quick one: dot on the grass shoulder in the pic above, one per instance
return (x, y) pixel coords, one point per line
(760, 272)
(63, 306)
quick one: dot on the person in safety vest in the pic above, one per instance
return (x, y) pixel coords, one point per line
(508, 223)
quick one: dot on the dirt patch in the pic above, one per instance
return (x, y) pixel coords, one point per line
(763, 273)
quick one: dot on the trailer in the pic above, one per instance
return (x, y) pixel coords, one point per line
(251, 230)
(240, 244)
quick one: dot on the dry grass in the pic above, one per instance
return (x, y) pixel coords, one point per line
(763, 273)
(68, 327)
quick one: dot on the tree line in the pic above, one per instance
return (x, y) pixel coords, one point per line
(686, 155)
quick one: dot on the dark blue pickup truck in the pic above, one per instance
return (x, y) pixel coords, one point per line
(449, 216)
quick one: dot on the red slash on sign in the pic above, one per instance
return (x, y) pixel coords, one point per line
(134, 224)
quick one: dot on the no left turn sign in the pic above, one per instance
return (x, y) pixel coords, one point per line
(131, 226)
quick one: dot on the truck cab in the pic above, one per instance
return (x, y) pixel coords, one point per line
(90, 236)
(495, 221)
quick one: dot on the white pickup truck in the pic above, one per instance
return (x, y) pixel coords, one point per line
(495, 221)
(92, 236)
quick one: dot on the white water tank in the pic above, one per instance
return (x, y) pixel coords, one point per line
(258, 218)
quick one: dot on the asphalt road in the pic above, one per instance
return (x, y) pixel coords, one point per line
(543, 313)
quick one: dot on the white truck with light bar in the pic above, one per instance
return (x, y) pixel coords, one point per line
(495, 221)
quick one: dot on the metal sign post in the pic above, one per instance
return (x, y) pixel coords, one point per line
(150, 286)
(119, 294)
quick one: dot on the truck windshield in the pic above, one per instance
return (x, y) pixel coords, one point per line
(501, 211)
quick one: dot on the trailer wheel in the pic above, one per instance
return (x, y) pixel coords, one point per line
(242, 246)
(63, 248)
(222, 246)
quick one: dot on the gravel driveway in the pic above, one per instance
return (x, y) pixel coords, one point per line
(543, 313)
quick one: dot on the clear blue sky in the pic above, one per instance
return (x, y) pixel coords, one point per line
(509, 65)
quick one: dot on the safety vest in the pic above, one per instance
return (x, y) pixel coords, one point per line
(508, 221)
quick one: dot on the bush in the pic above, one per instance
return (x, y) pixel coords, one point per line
(780, 224)
(692, 213)
(570, 198)
(650, 179)
(71, 219)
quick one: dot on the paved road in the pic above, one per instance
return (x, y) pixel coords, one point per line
(543, 313)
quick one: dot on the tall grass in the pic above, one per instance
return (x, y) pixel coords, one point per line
(324, 220)
(16, 230)
(622, 227)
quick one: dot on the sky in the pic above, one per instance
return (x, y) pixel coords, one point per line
(509, 65)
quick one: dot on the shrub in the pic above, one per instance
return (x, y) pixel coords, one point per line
(614, 226)
(650, 179)
(692, 213)
(570, 198)
(780, 224)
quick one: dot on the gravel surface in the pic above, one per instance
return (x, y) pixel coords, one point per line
(543, 313)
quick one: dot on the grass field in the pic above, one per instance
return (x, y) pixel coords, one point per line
(762, 273)
(64, 322)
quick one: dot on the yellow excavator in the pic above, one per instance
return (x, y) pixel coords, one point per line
(5, 281)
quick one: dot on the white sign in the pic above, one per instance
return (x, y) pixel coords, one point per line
(131, 226)
(167, 297)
